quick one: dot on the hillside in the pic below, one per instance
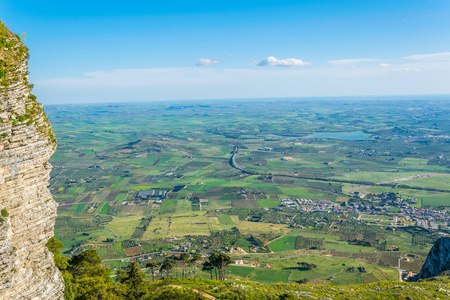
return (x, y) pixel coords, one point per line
(132, 282)
(437, 288)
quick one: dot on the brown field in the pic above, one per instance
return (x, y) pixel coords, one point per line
(132, 251)
(125, 150)
(112, 195)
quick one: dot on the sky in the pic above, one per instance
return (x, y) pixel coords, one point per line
(107, 51)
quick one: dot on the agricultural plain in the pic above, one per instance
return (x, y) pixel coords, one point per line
(342, 183)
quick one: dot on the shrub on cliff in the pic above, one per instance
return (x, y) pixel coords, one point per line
(54, 246)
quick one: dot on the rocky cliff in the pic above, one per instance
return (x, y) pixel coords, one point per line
(438, 260)
(28, 211)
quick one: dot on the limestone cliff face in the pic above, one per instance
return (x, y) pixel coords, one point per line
(28, 211)
(438, 260)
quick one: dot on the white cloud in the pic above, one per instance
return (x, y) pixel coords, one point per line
(399, 68)
(408, 70)
(431, 56)
(206, 62)
(273, 61)
(222, 83)
(350, 61)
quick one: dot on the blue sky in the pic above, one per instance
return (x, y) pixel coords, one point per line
(103, 51)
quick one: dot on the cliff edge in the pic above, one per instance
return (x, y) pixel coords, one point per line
(27, 209)
(438, 260)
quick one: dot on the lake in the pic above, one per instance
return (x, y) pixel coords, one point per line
(348, 136)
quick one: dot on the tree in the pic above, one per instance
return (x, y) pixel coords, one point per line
(220, 262)
(133, 278)
(306, 266)
(184, 259)
(194, 261)
(54, 246)
(90, 279)
(152, 265)
(167, 266)
(213, 259)
(84, 262)
(207, 266)
(223, 264)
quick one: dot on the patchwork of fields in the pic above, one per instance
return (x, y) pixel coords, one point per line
(196, 201)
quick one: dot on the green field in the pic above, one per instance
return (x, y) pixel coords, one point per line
(105, 209)
(285, 243)
(196, 199)
(240, 271)
(78, 208)
(268, 203)
(225, 219)
(169, 206)
(336, 271)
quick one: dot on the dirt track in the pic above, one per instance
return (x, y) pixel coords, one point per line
(410, 178)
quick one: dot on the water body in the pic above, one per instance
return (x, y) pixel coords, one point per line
(347, 136)
(343, 135)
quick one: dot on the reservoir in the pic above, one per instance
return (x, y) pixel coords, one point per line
(348, 136)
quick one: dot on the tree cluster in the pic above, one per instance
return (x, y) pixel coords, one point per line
(304, 266)
(181, 262)
(217, 262)
(86, 278)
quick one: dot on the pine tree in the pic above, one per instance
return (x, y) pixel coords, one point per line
(207, 266)
(152, 265)
(184, 259)
(134, 281)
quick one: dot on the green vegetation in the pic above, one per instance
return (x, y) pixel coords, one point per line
(225, 219)
(268, 203)
(219, 263)
(272, 276)
(4, 213)
(240, 271)
(105, 209)
(144, 180)
(85, 278)
(285, 243)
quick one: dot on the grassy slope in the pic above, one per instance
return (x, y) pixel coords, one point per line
(434, 289)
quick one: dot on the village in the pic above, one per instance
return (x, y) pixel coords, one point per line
(398, 210)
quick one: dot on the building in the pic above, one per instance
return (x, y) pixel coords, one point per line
(146, 194)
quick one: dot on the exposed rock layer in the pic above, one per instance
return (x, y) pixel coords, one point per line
(28, 211)
(438, 260)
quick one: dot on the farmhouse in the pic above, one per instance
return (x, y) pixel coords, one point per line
(145, 194)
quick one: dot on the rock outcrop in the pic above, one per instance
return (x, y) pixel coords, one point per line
(28, 212)
(438, 260)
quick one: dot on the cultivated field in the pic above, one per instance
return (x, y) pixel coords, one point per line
(159, 177)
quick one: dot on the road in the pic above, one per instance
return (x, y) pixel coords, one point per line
(233, 159)
(409, 178)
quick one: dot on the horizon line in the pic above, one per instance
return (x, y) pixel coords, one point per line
(415, 97)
